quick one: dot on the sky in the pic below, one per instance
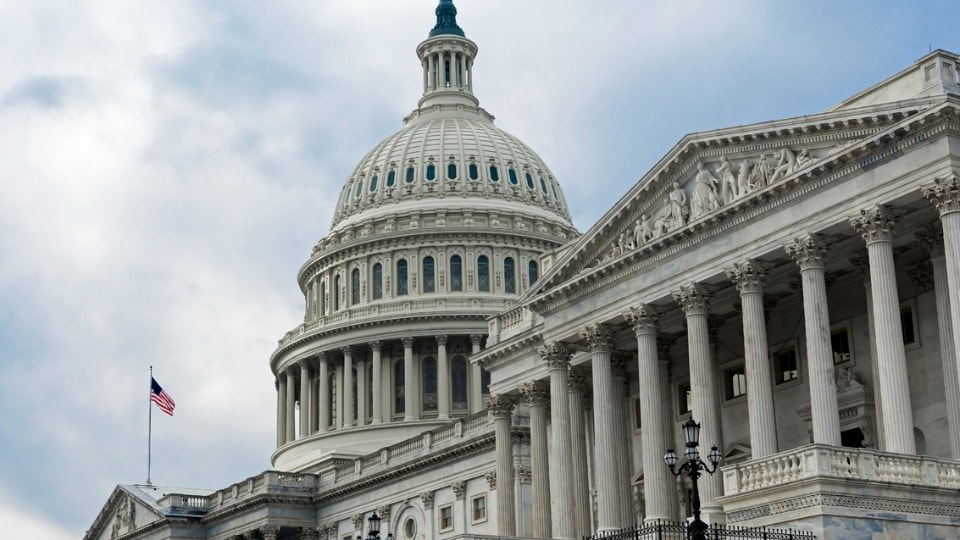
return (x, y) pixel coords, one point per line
(167, 166)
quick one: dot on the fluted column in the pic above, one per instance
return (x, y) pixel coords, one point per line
(944, 194)
(411, 411)
(377, 413)
(476, 377)
(810, 254)
(537, 394)
(557, 358)
(291, 433)
(695, 301)
(876, 226)
(657, 480)
(281, 384)
(749, 277)
(347, 387)
(862, 263)
(578, 388)
(323, 373)
(598, 338)
(664, 342)
(304, 397)
(362, 390)
(618, 371)
(501, 409)
(443, 384)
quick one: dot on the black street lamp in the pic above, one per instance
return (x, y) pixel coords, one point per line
(373, 533)
(693, 466)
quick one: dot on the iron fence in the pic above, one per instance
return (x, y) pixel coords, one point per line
(675, 530)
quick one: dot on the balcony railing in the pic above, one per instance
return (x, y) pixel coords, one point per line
(673, 530)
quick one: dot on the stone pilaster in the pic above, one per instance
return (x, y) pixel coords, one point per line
(348, 412)
(694, 299)
(578, 390)
(876, 226)
(501, 409)
(376, 416)
(323, 373)
(410, 403)
(443, 379)
(537, 394)
(749, 276)
(476, 377)
(598, 337)
(557, 358)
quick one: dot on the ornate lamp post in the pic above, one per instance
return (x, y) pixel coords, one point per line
(373, 533)
(693, 467)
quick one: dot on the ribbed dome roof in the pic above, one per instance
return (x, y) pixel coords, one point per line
(449, 150)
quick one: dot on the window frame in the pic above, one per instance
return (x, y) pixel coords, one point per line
(474, 519)
(440, 518)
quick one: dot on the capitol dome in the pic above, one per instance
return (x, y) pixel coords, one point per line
(440, 227)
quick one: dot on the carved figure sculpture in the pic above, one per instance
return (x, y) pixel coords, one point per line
(804, 158)
(743, 178)
(625, 242)
(786, 164)
(642, 231)
(760, 174)
(677, 211)
(704, 197)
(728, 182)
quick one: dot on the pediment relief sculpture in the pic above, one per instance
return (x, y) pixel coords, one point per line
(124, 520)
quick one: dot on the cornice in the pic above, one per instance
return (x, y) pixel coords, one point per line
(504, 353)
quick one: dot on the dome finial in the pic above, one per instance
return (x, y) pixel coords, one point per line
(446, 20)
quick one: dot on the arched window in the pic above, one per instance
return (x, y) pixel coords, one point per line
(513, 176)
(431, 172)
(509, 276)
(456, 273)
(533, 271)
(494, 174)
(452, 171)
(483, 273)
(391, 178)
(359, 188)
(543, 186)
(336, 293)
(401, 277)
(429, 384)
(473, 171)
(355, 287)
(428, 275)
(377, 281)
(323, 298)
(399, 404)
(410, 173)
(529, 181)
(458, 372)
(373, 183)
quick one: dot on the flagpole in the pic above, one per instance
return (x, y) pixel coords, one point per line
(149, 425)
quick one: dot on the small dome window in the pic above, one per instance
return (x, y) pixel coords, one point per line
(554, 188)
(473, 171)
(452, 171)
(529, 180)
(543, 186)
(359, 188)
(513, 176)
(494, 174)
(431, 172)
(410, 173)
(391, 178)
(373, 183)
(346, 200)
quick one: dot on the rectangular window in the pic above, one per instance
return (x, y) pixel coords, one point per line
(735, 382)
(685, 405)
(908, 323)
(478, 509)
(840, 344)
(636, 413)
(446, 518)
(785, 365)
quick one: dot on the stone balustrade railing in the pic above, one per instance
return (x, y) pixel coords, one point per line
(833, 462)
(268, 482)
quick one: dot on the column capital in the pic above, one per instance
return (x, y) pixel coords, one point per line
(931, 237)
(598, 337)
(384, 512)
(748, 275)
(524, 474)
(407, 342)
(476, 339)
(376, 346)
(442, 340)
(427, 499)
(501, 405)
(305, 363)
(876, 224)
(491, 478)
(809, 250)
(664, 343)
(643, 318)
(944, 194)
(270, 532)
(347, 351)
(694, 298)
(459, 489)
(922, 275)
(308, 533)
(619, 363)
(322, 356)
(861, 261)
(578, 379)
(555, 354)
(536, 392)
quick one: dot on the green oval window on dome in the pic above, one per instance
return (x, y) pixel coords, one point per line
(494, 174)
(391, 178)
(513, 176)
(452, 171)
(543, 186)
(529, 180)
(410, 173)
(431, 172)
(359, 188)
(373, 183)
(473, 171)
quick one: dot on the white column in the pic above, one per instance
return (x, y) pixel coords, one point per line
(537, 394)
(876, 226)
(501, 409)
(291, 434)
(618, 371)
(862, 264)
(304, 397)
(476, 377)
(432, 77)
(362, 391)
(664, 342)
(281, 384)
(347, 378)
(411, 409)
(323, 374)
(579, 387)
(748, 276)
(944, 194)
(657, 481)
(557, 358)
(443, 380)
(695, 301)
(377, 413)
(598, 338)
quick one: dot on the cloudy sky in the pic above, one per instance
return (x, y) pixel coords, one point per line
(166, 167)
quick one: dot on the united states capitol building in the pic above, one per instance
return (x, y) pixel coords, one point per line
(472, 366)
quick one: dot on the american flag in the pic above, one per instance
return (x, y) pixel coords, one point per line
(161, 398)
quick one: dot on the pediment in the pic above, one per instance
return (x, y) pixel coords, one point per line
(710, 178)
(125, 512)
